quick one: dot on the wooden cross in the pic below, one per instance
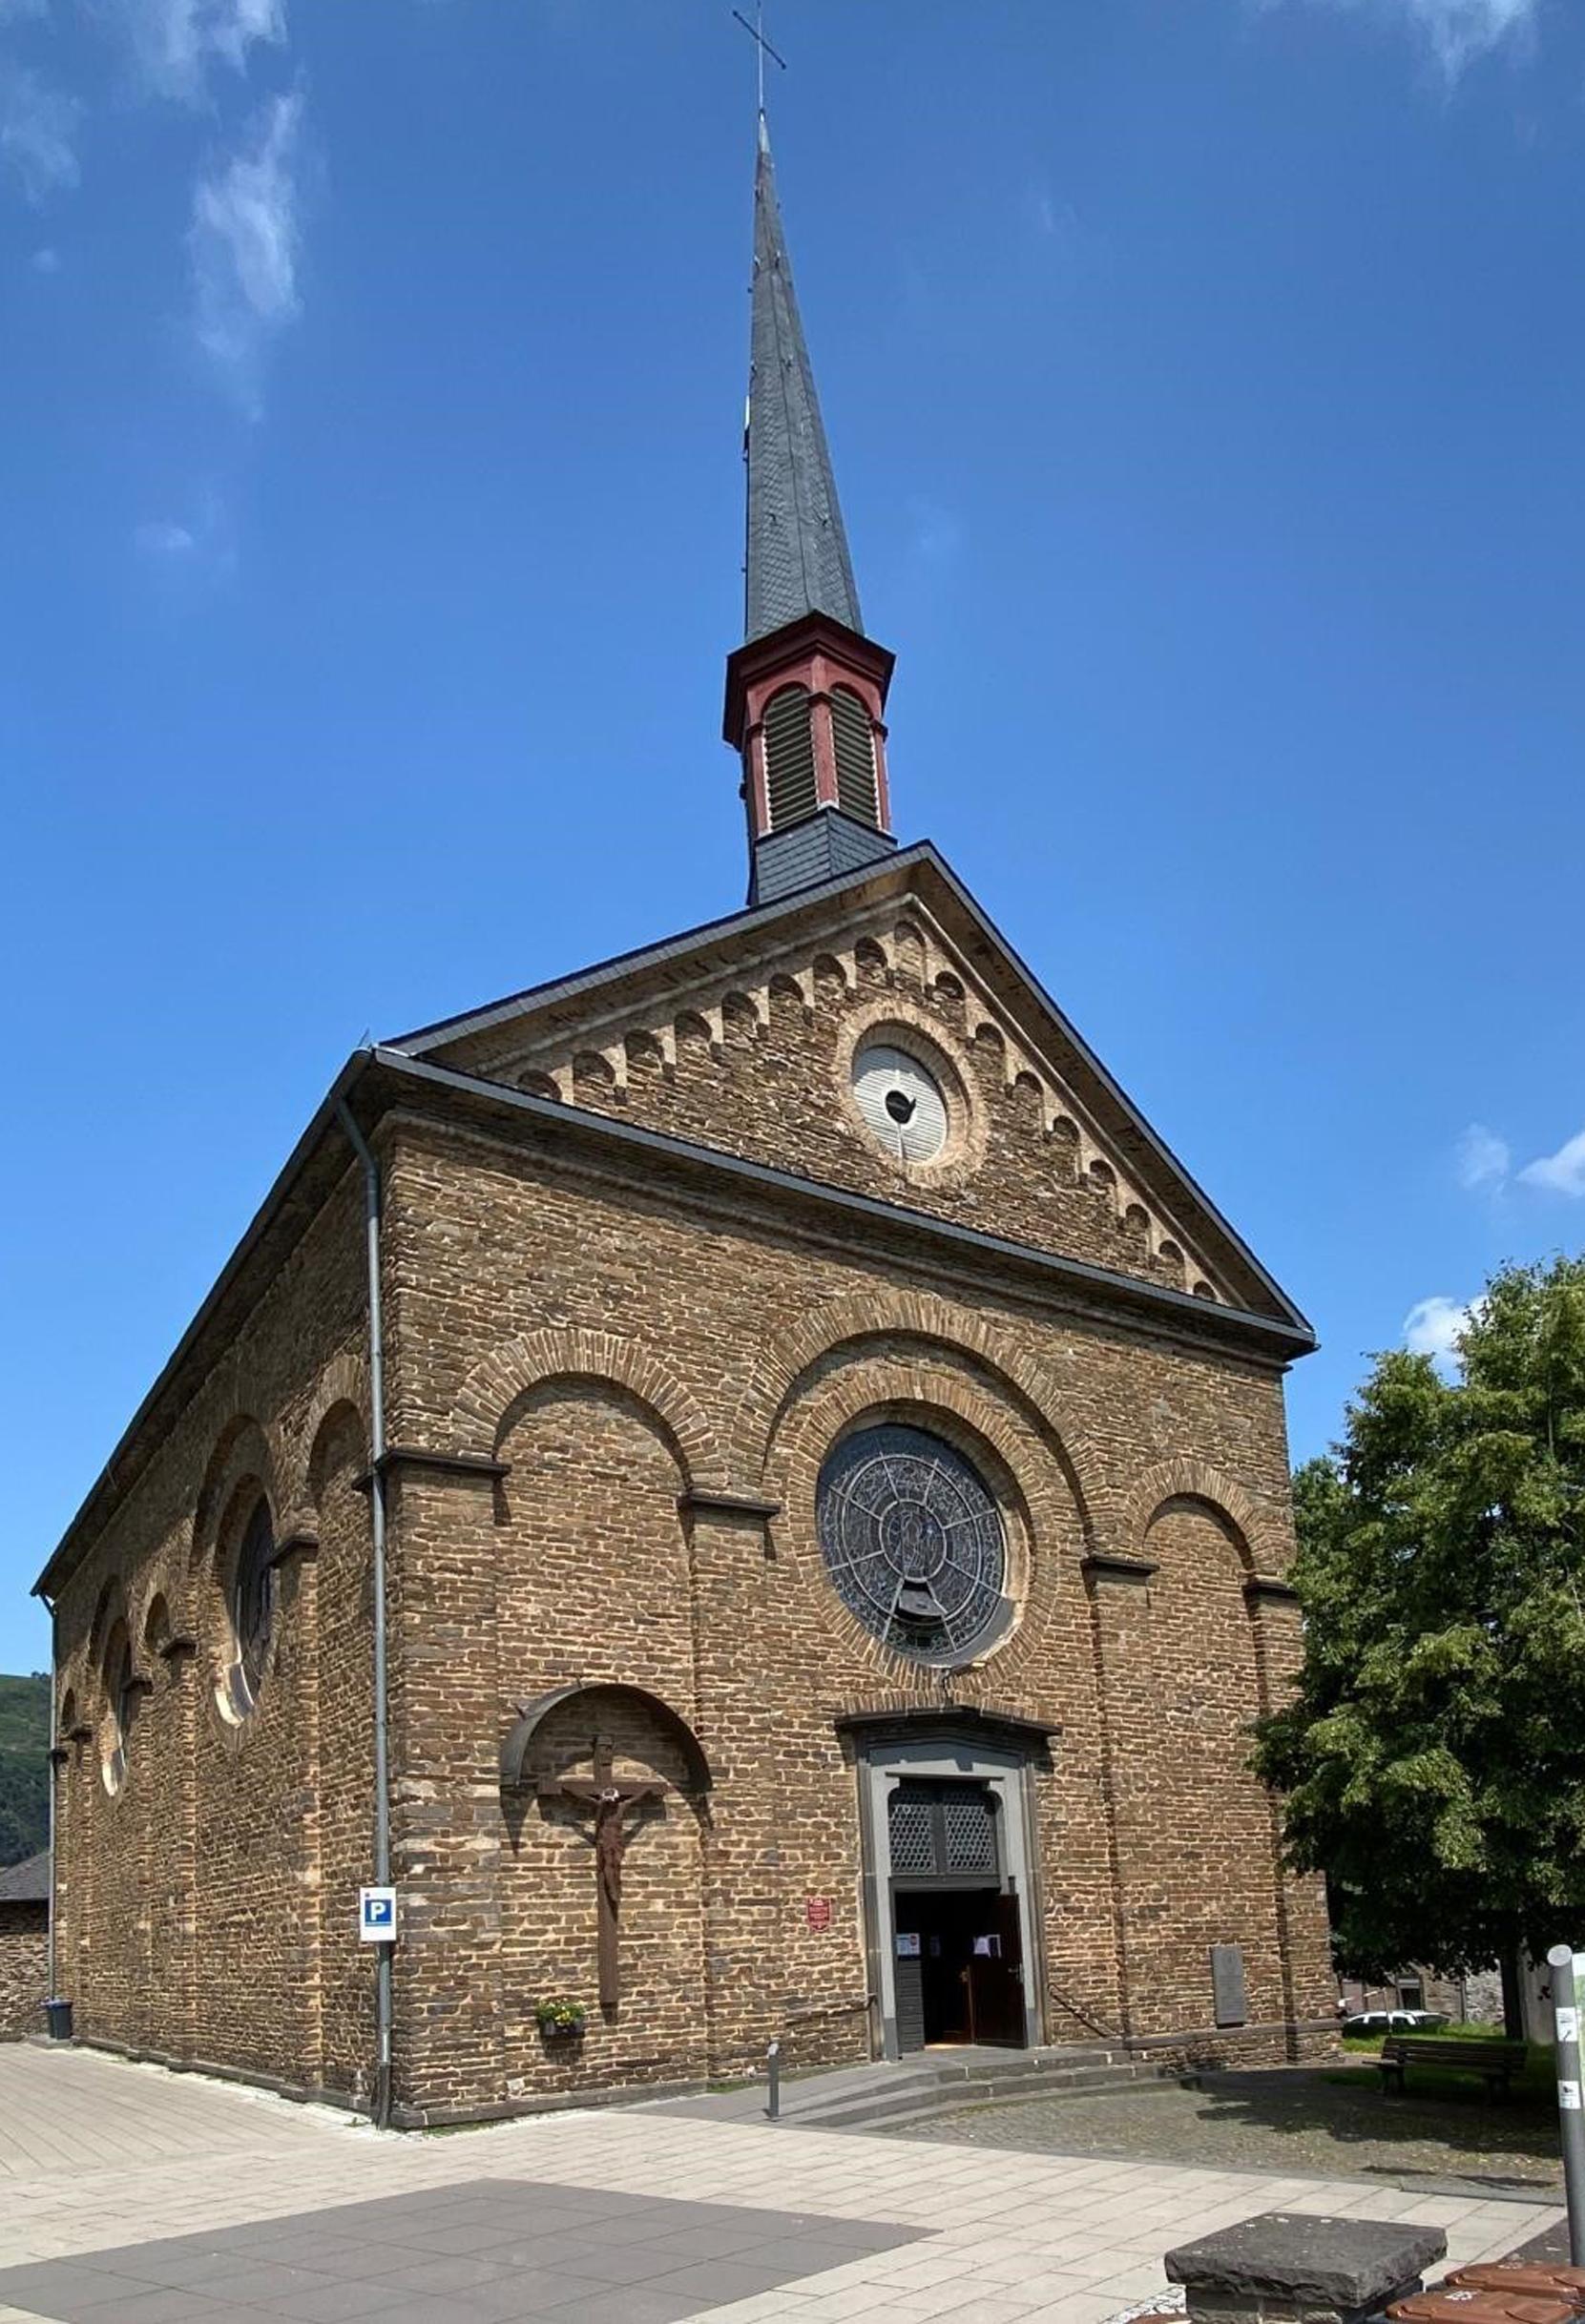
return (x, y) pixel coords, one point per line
(611, 1801)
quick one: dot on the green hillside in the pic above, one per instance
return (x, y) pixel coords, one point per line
(24, 1766)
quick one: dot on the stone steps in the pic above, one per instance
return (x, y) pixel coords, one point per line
(926, 2092)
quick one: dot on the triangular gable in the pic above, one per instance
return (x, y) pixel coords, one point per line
(608, 1037)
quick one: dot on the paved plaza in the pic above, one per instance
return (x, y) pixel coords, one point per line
(132, 2196)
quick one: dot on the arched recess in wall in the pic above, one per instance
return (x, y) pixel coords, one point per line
(495, 1393)
(1206, 1690)
(1195, 1481)
(242, 1449)
(340, 1400)
(335, 1458)
(157, 1626)
(235, 1597)
(589, 1578)
(820, 1333)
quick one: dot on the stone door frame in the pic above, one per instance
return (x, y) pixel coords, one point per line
(884, 1763)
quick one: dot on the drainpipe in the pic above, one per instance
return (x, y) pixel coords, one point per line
(54, 1785)
(377, 1510)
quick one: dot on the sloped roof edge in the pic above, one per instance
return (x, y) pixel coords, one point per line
(895, 872)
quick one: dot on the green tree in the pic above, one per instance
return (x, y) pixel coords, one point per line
(1433, 1760)
(24, 1766)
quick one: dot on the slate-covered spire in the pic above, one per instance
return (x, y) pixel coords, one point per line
(806, 689)
(798, 561)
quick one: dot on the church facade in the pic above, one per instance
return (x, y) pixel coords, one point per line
(748, 1478)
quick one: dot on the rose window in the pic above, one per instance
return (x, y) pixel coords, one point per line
(912, 1540)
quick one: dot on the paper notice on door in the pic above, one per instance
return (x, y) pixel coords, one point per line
(907, 1944)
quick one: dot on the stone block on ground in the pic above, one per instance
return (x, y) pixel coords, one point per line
(1298, 2267)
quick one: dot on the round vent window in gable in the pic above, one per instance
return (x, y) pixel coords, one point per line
(901, 1102)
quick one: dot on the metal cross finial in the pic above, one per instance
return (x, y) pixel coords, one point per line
(757, 34)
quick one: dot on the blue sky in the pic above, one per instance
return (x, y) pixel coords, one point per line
(1203, 379)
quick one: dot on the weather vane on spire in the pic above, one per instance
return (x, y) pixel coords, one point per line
(757, 34)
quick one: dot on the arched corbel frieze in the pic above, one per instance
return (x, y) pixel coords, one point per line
(496, 1389)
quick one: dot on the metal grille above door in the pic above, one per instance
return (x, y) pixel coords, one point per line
(944, 1832)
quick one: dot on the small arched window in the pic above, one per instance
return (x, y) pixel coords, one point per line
(253, 1600)
(790, 790)
(122, 1690)
(854, 742)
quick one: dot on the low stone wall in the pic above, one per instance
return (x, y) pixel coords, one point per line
(24, 1968)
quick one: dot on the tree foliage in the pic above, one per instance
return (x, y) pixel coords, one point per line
(1433, 1761)
(24, 1766)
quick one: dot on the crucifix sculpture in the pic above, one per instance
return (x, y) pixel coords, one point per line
(611, 1801)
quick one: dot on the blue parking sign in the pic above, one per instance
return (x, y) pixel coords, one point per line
(377, 1915)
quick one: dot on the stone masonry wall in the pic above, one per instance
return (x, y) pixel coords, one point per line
(207, 1903)
(620, 1355)
(765, 1075)
(625, 1377)
(24, 1969)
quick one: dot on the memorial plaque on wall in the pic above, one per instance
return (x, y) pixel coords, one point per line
(817, 1912)
(1227, 1985)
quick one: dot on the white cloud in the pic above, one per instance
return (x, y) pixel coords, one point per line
(38, 132)
(178, 41)
(1432, 1326)
(1458, 31)
(1562, 1172)
(244, 246)
(46, 262)
(165, 539)
(1483, 1158)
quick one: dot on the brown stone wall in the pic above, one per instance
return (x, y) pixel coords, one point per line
(192, 1894)
(1197, 1869)
(24, 1969)
(626, 1377)
(629, 1354)
(773, 1088)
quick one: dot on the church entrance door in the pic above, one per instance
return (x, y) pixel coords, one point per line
(958, 1941)
(950, 1879)
(959, 1975)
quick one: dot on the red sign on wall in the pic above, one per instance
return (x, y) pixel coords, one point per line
(817, 1912)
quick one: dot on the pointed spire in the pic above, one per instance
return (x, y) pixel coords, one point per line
(798, 561)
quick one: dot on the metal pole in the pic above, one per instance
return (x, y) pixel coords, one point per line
(1570, 2116)
(54, 1784)
(377, 1513)
(773, 2069)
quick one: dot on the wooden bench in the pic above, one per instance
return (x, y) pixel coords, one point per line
(1496, 2063)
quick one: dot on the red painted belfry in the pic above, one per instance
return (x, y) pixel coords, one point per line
(806, 689)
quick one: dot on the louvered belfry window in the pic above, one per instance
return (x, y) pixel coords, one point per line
(789, 758)
(853, 740)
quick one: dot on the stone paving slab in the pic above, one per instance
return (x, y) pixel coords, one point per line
(479, 2252)
(1006, 2237)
